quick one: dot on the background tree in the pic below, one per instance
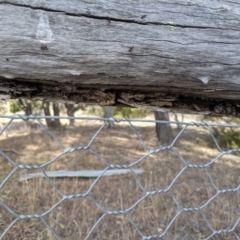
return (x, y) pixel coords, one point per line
(130, 112)
(35, 107)
(28, 106)
(71, 109)
(53, 123)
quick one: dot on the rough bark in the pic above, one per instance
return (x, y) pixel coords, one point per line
(71, 109)
(56, 121)
(175, 54)
(46, 110)
(26, 106)
(52, 123)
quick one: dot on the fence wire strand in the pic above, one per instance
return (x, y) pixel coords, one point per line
(234, 230)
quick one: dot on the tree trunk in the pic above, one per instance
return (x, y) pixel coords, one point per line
(56, 121)
(163, 130)
(177, 55)
(26, 106)
(71, 109)
(52, 123)
(46, 109)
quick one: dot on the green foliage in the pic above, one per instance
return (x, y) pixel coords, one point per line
(14, 106)
(227, 137)
(36, 106)
(129, 112)
(94, 110)
(118, 112)
(3, 107)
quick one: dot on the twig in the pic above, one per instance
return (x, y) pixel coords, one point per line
(11, 150)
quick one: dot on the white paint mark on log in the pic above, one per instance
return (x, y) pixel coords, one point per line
(8, 75)
(75, 72)
(44, 33)
(205, 80)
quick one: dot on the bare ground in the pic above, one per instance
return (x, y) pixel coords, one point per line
(159, 212)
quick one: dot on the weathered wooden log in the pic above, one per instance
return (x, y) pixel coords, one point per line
(175, 54)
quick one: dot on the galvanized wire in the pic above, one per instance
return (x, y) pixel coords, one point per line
(147, 193)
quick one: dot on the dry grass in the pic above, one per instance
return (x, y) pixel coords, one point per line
(74, 218)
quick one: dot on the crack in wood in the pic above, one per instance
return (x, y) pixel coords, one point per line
(109, 19)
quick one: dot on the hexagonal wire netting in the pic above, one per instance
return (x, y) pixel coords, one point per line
(189, 189)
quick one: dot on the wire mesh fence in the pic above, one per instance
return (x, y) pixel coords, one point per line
(189, 189)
